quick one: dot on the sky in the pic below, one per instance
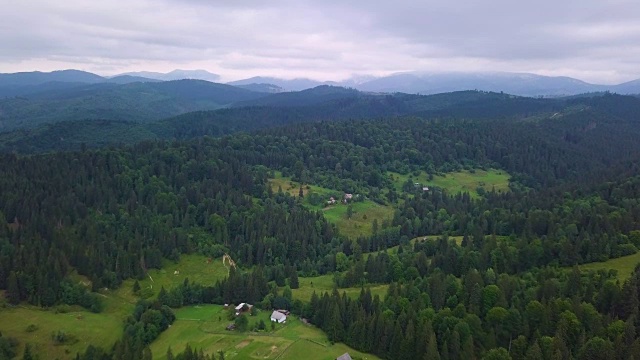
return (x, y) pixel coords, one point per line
(593, 40)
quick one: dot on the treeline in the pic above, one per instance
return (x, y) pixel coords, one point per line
(581, 224)
(113, 214)
(148, 320)
(542, 314)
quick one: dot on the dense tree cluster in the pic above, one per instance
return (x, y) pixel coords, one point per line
(540, 314)
(112, 214)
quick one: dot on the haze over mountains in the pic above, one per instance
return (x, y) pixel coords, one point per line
(522, 84)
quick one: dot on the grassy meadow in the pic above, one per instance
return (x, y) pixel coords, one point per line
(624, 265)
(196, 268)
(103, 329)
(324, 283)
(457, 182)
(361, 221)
(203, 327)
(364, 212)
(30, 324)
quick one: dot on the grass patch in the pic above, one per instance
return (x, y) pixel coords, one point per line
(35, 326)
(324, 283)
(457, 182)
(203, 327)
(196, 268)
(394, 249)
(293, 188)
(361, 221)
(105, 328)
(364, 212)
(624, 265)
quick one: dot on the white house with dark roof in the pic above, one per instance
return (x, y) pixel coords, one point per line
(242, 308)
(278, 317)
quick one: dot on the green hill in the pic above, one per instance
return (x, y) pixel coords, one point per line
(135, 102)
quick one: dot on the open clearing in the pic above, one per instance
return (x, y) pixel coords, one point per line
(457, 182)
(196, 268)
(624, 265)
(81, 326)
(364, 212)
(105, 328)
(203, 327)
(361, 221)
(324, 283)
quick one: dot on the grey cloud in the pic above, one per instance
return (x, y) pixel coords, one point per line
(592, 39)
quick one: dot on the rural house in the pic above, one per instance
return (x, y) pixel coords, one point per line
(278, 317)
(344, 356)
(242, 308)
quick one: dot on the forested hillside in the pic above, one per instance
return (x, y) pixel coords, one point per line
(135, 102)
(349, 105)
(508, 288)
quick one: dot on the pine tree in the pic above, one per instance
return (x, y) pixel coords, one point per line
(396, 342)
(146, 354)
(13, 291)
(468, 352)
(293, 280)
(534, 352)
(432, 347)
(28, 353)
(408, 342)
(136, 287)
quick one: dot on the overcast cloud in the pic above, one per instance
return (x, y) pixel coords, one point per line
(593, 40)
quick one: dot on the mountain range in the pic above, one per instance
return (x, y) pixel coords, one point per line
(522, 84)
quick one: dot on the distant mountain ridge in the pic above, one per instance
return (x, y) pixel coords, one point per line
(136, 101)
(177, 74)
(522, 84)
(38, 77)
(287, 85)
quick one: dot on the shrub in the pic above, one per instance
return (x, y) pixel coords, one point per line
(31, 328)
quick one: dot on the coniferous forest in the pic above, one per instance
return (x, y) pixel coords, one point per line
(510, 289)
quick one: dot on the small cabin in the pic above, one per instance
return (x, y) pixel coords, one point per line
(243, 307)
(278, 317)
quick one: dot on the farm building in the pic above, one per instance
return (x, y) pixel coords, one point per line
(242, 307)
(344, 356)
(278, 317)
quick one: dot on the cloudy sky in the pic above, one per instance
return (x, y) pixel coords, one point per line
(593, 40)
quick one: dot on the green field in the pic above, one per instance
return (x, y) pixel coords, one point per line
(624, 265)
(293, 187)
(203, 327)
(105, 328)
(361, 222)
(324, 283)
(364, 212)
(82, 327)
(457, 182)
(196, 268)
